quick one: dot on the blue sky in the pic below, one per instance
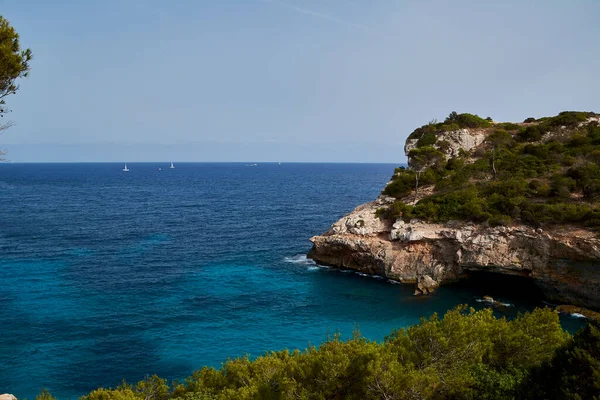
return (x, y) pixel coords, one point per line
(293, 80)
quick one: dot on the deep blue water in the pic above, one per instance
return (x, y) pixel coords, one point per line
(108, 275)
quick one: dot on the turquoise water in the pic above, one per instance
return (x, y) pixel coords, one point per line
(109, 275)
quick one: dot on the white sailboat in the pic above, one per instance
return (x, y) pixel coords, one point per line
(125, 169)
(172, 166)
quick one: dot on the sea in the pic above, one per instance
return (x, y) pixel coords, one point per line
(108, 275)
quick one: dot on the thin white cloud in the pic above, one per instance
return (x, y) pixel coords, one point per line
(319, 15)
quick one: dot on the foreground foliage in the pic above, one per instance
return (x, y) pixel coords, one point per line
(573, 373)
(465, 355)
(543, 172)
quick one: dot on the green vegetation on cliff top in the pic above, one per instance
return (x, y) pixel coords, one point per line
(465, 355)
(539, 172)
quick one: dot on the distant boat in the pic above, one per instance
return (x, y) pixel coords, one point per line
(125, 169)
(172, 166)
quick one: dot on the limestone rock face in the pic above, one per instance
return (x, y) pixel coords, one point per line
(465, 139)
(362, 221)
(565, 263)
(7, 396)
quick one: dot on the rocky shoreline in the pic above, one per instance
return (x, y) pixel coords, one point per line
(562, 259)
(564, 262)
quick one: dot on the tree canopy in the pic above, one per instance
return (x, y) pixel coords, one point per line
(14, 62)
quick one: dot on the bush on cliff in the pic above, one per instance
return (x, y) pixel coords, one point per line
(465, 355)
(467, 120)
(427, 134)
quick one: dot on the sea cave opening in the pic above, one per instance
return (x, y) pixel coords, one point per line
(520, 288)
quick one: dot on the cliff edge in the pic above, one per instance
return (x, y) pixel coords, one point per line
(517, 199)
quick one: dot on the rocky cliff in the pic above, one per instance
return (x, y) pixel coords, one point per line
(563, 260)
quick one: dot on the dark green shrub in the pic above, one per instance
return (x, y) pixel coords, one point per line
(460, 204)
(593, 219)
(500, 220)
(467, 120)
(455, 164)
(587, 178)
(569, 119)
(540, 151)
(593, 131)
(555, 146)
(573, 372)
(538, 188)
(449, 127)
(45, 395)
(401, 185)
(502, 205)
(578, 140)
(394, 211)
(568, 161)
(531, 134)
(423, 130)
(508, 126)
(562, 186)
(427, 139)
(443, 146)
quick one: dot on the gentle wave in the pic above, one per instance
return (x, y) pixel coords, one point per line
(364, 275)
(300, 259)
(577, 315)
(495, 302)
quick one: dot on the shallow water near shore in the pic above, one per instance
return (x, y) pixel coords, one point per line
(109, 275)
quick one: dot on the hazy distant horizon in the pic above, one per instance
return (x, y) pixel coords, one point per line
(167, 162)
(207, 152)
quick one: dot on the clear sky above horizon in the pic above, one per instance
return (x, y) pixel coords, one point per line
(289, 80)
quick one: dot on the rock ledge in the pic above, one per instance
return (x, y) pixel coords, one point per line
(565, 263)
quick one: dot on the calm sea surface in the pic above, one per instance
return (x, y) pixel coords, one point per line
(108, 275)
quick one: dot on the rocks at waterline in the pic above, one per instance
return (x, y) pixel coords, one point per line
(579, 312)
(425, 285)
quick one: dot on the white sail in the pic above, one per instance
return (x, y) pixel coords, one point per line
(125, 169)
(172, 166)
